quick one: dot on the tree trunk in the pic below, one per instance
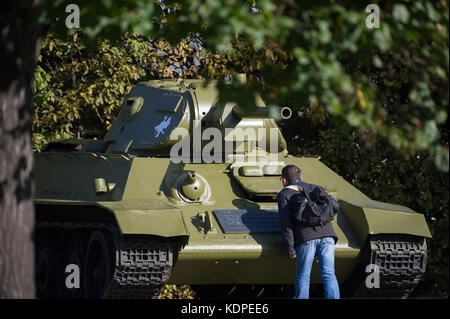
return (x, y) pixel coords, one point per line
(19, 38)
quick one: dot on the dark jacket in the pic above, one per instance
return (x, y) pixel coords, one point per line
(294, 232)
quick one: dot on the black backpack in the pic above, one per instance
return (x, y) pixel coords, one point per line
(319, 211)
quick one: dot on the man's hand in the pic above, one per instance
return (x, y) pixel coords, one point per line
(292, 255)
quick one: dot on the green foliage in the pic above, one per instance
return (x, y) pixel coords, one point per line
(75, 91)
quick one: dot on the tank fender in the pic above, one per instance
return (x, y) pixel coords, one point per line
(147, 219)
(370, 217)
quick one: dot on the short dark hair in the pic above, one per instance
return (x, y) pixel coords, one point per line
(290, 172)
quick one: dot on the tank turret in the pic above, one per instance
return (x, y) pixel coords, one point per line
(159, 114)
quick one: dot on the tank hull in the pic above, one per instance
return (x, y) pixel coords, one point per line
(141, 203)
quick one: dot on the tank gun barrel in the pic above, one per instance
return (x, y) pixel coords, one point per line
(262, 112)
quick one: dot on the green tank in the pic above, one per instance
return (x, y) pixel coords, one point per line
(183, 189)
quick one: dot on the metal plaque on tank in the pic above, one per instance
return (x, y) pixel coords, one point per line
(248, 220)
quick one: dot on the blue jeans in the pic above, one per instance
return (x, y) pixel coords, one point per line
(304, 260)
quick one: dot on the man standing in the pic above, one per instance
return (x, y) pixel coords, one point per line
(304, 241)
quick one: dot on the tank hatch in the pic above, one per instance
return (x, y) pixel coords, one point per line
(259, 179)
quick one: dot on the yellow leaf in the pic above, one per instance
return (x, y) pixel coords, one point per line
(361, 98)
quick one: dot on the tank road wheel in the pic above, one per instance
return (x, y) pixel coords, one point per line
(44, 266)
(98, 269)
(70, 252)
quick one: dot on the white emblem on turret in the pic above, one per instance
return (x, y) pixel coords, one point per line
(161, 127)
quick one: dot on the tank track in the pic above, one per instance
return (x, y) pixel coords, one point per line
(401, 260)
(142, 264)
(143, 267)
